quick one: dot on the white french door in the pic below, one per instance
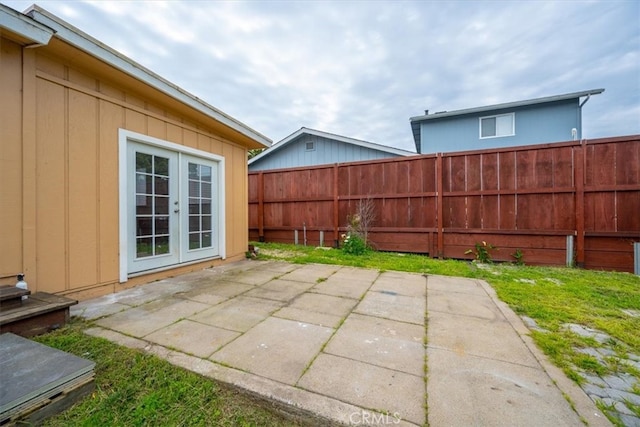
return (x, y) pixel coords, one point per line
(199, 222)
(172, 207)
(154, 208)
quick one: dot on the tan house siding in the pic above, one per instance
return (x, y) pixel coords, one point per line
(61, 114)
(10, 158)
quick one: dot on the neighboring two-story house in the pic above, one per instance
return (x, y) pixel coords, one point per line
(309, 147)
(535, 121)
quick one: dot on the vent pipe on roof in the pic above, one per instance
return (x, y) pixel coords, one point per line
(426, 112)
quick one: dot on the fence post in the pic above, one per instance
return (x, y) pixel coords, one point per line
(570, 251)
(261, 207)
(439, 198)
(336, 220)
(579, 178)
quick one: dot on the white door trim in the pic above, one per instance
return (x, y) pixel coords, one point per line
(124, 136)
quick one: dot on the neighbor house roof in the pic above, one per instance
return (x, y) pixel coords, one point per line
(306, 131)
(36, 26)
(415, 121)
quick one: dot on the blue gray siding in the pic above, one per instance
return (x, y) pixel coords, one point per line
(326, 151)
(534, 124)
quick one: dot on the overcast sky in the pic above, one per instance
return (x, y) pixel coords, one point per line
(361, 68)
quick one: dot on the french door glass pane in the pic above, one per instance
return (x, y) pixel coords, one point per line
(144, 162)
(199, 206)
(152, 205)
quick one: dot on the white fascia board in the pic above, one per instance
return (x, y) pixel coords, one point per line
(506, 105)
(306, 131)
(24, 26)
(83, 41)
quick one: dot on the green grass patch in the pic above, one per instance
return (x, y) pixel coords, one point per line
(138, 389)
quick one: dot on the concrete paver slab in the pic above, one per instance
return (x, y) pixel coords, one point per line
(463, 304)
(279, 290)
(466, 390)
(413, 285)
(455, 284)
(202, 296)
(192, 337)
(401, 395)
(357, 274)
(343, 287)
(310, 273)
(99, 307)
(313, 317)
(324, 304)
(152, 292)
(254, 277)
(319, 309)
(381, 342)
(239, 314)
(279, 349)
(143, 320)
(393, 306)
(467, 335)
(222, 288)
(278, 267)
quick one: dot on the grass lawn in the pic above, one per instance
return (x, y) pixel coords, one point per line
(133, 388)
(138, 389)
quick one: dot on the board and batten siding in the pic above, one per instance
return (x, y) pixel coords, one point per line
(325, 151)
(59, 170)
(536, 124)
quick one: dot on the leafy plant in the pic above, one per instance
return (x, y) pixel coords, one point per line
(361, 222)
(482, 251)
(353, 244)
(518, 256)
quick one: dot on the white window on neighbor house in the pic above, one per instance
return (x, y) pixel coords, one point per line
(310, 146)
(497, 126)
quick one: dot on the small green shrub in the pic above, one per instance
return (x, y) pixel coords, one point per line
(482, 251)
(518, 256)
(353, 244)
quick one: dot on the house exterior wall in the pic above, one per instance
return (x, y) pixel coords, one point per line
(541, 123)
(61, 113)
(326, 151)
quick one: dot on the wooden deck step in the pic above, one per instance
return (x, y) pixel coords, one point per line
(11, 297)
(40, 313)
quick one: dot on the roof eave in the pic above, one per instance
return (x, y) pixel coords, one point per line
(34, 33)
(83, 41)
(303, 130)
(515, 104)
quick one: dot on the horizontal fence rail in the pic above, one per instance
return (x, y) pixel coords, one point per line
(574, 202)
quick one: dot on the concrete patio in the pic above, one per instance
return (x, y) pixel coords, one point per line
(342, 345)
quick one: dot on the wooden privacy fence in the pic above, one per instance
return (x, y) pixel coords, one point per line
(556, 203)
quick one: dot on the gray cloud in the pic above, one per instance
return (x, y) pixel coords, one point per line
(361, 69)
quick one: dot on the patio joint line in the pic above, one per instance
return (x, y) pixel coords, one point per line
(335, 331)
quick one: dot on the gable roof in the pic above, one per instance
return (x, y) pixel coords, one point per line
(415, 121)
(306, 131)
(35, 27)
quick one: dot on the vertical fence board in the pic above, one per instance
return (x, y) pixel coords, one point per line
(489, 173)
